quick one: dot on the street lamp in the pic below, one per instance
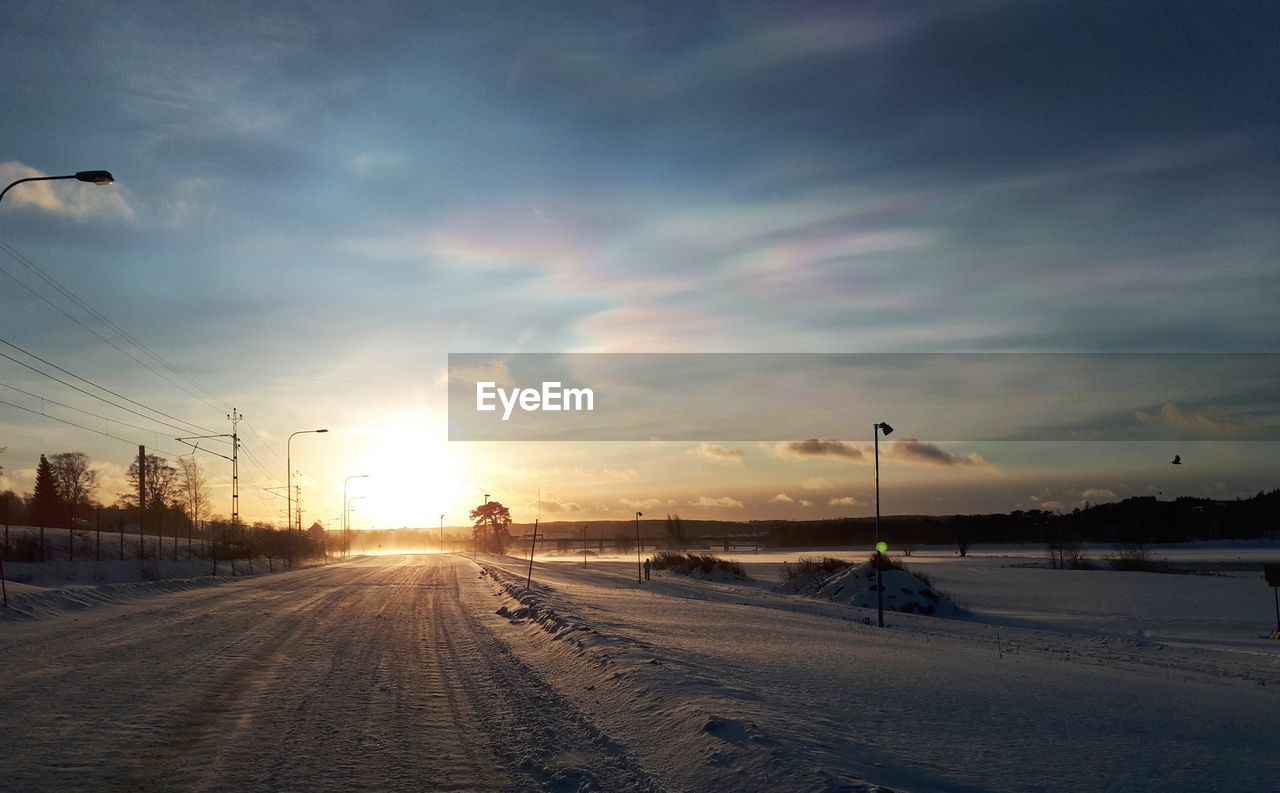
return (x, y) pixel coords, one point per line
(877, 429)
(345, 525)
(97, 177)
(441, 532)
(288, 491)
(351, 506)
(639, 572)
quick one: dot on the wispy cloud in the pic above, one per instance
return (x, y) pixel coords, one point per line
(814, 447)
(782, 498)
(817, 483)
(914, 450)
(552, 503)
(648, 503)
(717, 453)
(723, 502)
(845, 501)
(1210, 422)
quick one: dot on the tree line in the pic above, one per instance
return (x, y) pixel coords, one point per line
(177, 507)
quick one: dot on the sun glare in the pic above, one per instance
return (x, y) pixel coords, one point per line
(412, 480)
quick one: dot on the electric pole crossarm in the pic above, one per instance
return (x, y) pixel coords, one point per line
(196, 446)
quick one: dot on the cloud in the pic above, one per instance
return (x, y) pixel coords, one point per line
(1204, 423)
(813, 447)
(804, 502)
(915, 450)
(69, 198)
(1098, 494)
(723, 502)
(1051, 505)
(648, 503)
(782, 498)
(494, 371)
(552, 503)
(845, 501)
(817, 483)
(717, 453)
(376, 163)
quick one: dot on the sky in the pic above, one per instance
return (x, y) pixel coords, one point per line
(316, 203)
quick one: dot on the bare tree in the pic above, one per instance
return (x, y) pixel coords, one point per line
(73, 479)
(193, 489)
(161, 480)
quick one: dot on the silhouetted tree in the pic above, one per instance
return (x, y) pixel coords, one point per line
(491, 522)
(161, 481)
(46, 507)
(74, 479)
(675, 532)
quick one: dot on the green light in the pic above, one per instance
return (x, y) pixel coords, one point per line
(882, 546)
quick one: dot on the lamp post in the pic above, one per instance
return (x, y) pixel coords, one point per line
(288, 491)
(97, 177)
(639, 571)
(441, 532)
(877, 429)
(584, 545)
(351, 506)
(345, 525)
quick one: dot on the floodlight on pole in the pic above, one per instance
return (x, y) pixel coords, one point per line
(96, 177)
(639, 571)
(878, 429)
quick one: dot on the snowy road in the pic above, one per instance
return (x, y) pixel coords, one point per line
(422, 673)
(377, 675)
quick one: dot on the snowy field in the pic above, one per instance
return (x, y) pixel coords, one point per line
(443, 673)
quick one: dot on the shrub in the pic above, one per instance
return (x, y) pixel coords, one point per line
(1135, 558)
(1067, 554)
(811, 567)
(690, 563)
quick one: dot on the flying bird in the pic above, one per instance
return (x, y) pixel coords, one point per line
(1177, 460)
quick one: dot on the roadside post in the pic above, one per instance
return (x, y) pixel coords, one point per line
(881, 548)
(1272, 573)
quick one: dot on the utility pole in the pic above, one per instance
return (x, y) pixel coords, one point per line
(237, 532)
(234, 417)
(584, 546)
(142, 499)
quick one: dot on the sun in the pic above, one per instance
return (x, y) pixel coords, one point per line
(412, 480)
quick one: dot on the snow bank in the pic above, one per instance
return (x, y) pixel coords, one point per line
(699, 731)
(33, 602)
(856, 586)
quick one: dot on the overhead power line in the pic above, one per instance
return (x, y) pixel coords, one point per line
(52, 401)
(39, 272)
(100, 388)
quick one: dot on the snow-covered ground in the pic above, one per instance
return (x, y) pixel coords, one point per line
(1055, 680)
(440, 673)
